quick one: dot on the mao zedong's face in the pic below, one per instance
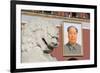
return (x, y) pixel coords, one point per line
(72, 35)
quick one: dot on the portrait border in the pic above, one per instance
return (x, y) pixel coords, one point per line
(78, 23)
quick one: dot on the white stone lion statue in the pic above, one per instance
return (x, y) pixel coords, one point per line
(38, 41)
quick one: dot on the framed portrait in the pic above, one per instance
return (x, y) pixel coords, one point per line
(72, 39)
(52, 36)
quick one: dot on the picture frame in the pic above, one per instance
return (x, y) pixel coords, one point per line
(70, 37)
(41, 32)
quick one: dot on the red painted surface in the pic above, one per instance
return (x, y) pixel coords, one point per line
(58, 52)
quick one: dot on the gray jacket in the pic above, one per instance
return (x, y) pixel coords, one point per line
(70, 50)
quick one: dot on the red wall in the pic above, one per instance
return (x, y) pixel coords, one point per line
(58, 52)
